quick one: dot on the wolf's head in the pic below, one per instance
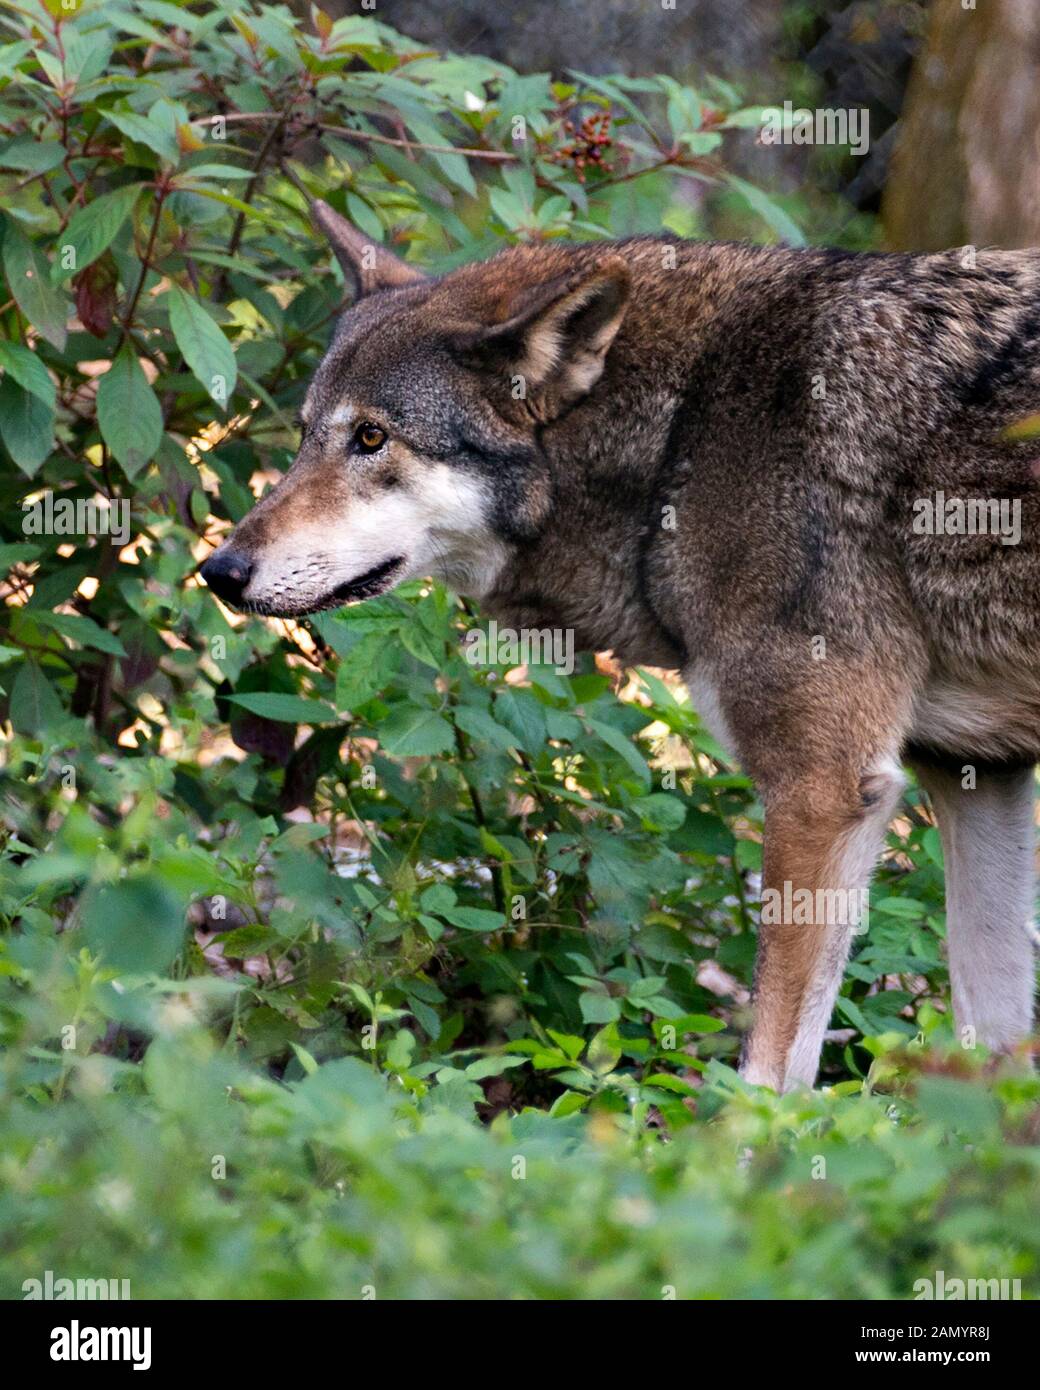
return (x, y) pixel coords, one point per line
(421, 450)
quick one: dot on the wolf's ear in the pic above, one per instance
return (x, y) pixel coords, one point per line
(556, 335)
(367, 267)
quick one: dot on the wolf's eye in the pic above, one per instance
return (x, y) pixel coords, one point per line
(369, 437)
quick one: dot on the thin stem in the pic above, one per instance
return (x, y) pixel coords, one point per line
(365, 137)
(462, 745)
(146, 260)
(247, 197)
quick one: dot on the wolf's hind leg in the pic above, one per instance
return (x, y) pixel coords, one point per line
(988, 844)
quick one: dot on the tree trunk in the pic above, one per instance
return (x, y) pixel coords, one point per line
(966, 169)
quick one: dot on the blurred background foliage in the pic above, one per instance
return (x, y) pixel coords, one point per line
(330, 959)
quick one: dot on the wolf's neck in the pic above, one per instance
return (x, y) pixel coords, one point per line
(588, 594)
(587, 572)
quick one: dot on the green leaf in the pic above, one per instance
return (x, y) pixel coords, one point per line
(771, 214)
(1023, 429)
(474, 918)
(128, 412)
(899, 907)
(665, 1081)
(28, 276)
(365, 670)
(87, 53)
(932, 844)
(34, 704)
(306, 1059)
(522, 714)
(699, 1023)
(363, 217)
(964, 1107)
(136, 925)
(412, 732)
(621, 745)
(438, 897)
(420, 644)
(214, 171)
(288, 709)
(483, 728)
(245, 208)
(81, 629)
(146, 131)
(92, 229)
(484, 1067)
(244, 942)
(659, 811)
(851, 1013)
(16, 552)
(571, 1046)
(28, 371)
(204, 347)
(34, 156)
(598, 1007)
(26, 426)
(604, 1050)
(568, 1104)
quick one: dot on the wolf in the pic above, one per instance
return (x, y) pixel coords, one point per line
(712, 457)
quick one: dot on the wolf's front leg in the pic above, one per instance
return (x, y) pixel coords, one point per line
(823, 834)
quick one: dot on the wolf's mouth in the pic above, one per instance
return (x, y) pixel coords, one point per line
(367, 585)
(372, 582)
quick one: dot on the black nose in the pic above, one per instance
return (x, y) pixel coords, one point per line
(227, 573)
